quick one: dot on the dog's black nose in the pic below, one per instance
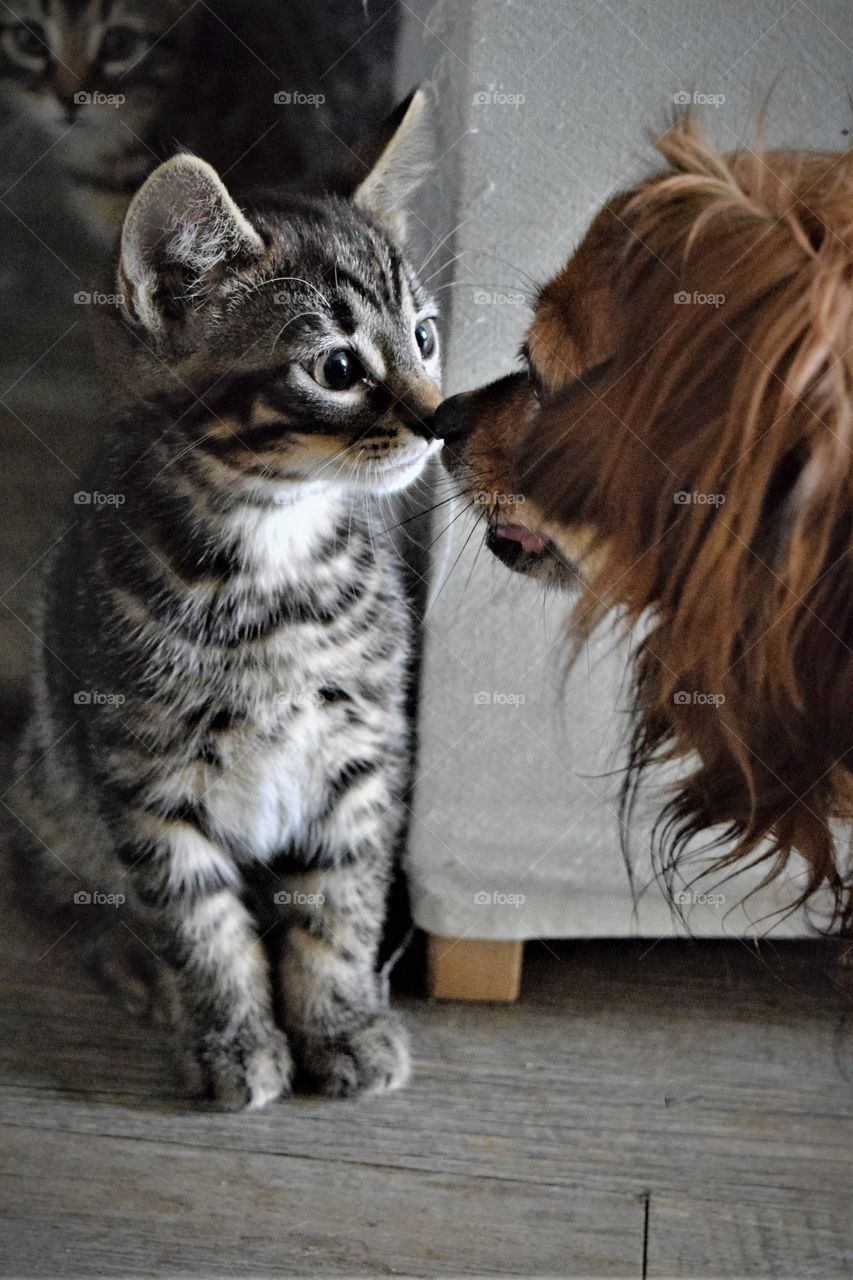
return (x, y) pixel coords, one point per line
(451, 422)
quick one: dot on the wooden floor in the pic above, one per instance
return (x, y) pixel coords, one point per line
(680, 1111)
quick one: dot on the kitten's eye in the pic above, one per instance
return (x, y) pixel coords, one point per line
(31, 41)
(426, 337)
(120, 44)
(338, 371)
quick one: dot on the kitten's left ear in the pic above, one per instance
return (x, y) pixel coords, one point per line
(396, 160)
(182, 236)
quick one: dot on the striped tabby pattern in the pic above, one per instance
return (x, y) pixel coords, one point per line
(218, 735)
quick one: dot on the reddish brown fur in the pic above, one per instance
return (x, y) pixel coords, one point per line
(751, 600)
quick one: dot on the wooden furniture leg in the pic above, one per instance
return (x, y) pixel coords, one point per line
(473, 969)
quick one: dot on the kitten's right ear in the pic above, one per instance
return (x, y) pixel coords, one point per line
(181, 233)
(386, 169)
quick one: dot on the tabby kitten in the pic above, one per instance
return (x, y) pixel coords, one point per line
(270, 90)
(218, 733)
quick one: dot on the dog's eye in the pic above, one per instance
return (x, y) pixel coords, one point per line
(425, 337)
(339, 370)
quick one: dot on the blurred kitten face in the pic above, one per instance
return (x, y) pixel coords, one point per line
(91, 75)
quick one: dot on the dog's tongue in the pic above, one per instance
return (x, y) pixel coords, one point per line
(520, 533)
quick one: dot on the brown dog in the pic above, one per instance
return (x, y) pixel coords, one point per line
(679, 445)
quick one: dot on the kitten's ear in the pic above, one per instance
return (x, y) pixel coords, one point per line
(181, 233)
(397, 159)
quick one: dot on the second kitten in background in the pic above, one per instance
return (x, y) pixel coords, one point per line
(269, 91)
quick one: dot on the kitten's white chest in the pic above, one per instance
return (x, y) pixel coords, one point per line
(265, 793)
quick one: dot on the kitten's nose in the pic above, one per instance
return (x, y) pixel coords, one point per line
(66, 84)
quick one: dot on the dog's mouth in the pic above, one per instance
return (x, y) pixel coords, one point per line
(527, 551)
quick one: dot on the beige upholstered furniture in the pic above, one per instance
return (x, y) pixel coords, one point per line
(542, 111)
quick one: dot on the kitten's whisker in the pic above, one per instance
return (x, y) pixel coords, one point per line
(468, 507)
(293, 320)
(473, 530)
(443, 241)
(445, 266)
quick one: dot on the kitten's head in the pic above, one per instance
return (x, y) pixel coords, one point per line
(293, 334)
(92, 75)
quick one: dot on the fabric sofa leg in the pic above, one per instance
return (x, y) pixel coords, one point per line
(473, 969)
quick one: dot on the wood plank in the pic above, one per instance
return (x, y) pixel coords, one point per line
(695, 1075)
(474, 969)
(708, 1239)
(146, 1208)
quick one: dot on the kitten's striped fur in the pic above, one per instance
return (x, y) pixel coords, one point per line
(219, 730)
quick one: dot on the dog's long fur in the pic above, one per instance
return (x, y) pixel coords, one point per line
(741, 399)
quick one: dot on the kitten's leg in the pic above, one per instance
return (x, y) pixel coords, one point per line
(190, 906)
(335, 1003)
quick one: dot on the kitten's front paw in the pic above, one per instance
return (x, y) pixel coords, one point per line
(245, 1071)
(372, 1059)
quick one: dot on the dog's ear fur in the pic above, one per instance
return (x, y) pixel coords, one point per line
(719, 481)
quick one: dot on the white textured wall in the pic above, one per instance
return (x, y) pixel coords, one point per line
(511, 797)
